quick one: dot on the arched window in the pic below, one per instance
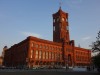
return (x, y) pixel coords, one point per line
(67, 27)
(54, 20)
(53, 28)
(31, 53)
(66, 20)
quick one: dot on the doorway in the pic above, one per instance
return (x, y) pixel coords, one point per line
(69, 60)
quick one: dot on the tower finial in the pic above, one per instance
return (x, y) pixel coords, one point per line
(79, 45)
(60, 3)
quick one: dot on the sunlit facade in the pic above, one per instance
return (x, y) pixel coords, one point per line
(36, 52)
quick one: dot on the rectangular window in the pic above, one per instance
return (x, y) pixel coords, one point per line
(44, 47)
(32, 44)
(40, 54)
(31, 53)
(52, 55)
(43, 55)
(55, 56)
(36, 45)
(49, 55)
(40, 46)
(53, 28)
(46, 55)
(36, 54)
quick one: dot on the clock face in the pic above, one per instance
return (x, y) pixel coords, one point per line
(63, 19)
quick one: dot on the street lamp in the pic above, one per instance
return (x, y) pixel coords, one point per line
(57, 58)
(66, 62)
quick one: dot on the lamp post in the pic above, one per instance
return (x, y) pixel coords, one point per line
(65, 59)
(66, 62)
(57, 58)
(27, 62)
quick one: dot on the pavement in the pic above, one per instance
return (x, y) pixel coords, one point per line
(46, 72)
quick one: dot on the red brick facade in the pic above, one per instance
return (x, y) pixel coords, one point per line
(1, 61)
(34, 51)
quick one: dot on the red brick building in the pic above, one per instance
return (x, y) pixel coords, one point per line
(1, 61)
(34, 51)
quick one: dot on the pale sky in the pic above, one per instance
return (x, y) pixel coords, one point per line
(22, 18)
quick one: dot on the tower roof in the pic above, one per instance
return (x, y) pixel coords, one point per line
(60, 11)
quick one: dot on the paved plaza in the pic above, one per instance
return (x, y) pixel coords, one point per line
(47, 72)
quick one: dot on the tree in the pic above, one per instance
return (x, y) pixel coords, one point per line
(96, 48)
(96, 60)
(96, 45)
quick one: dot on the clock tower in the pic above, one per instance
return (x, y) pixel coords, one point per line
(60, 26)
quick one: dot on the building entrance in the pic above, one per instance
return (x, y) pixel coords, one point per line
(69, 60)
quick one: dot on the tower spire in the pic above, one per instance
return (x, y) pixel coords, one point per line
(79, 45)
(60, 4)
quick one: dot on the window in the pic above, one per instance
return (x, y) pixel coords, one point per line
(43, 55)
(60, 56)
(67, 27)
(66, 20)
(36, 51)
(54, 20)
(53, 28)
(50, 48)
(32, 44)
(56, 56)
(49, 55)
(40, 54)
(58, 19)
(56, 48)
(46, 55)
(36, 54)
(46, 47)
(52, 55)
(31, 53)
(40, 46)
(36, 45)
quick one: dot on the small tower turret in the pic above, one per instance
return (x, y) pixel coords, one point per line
(4, 49)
